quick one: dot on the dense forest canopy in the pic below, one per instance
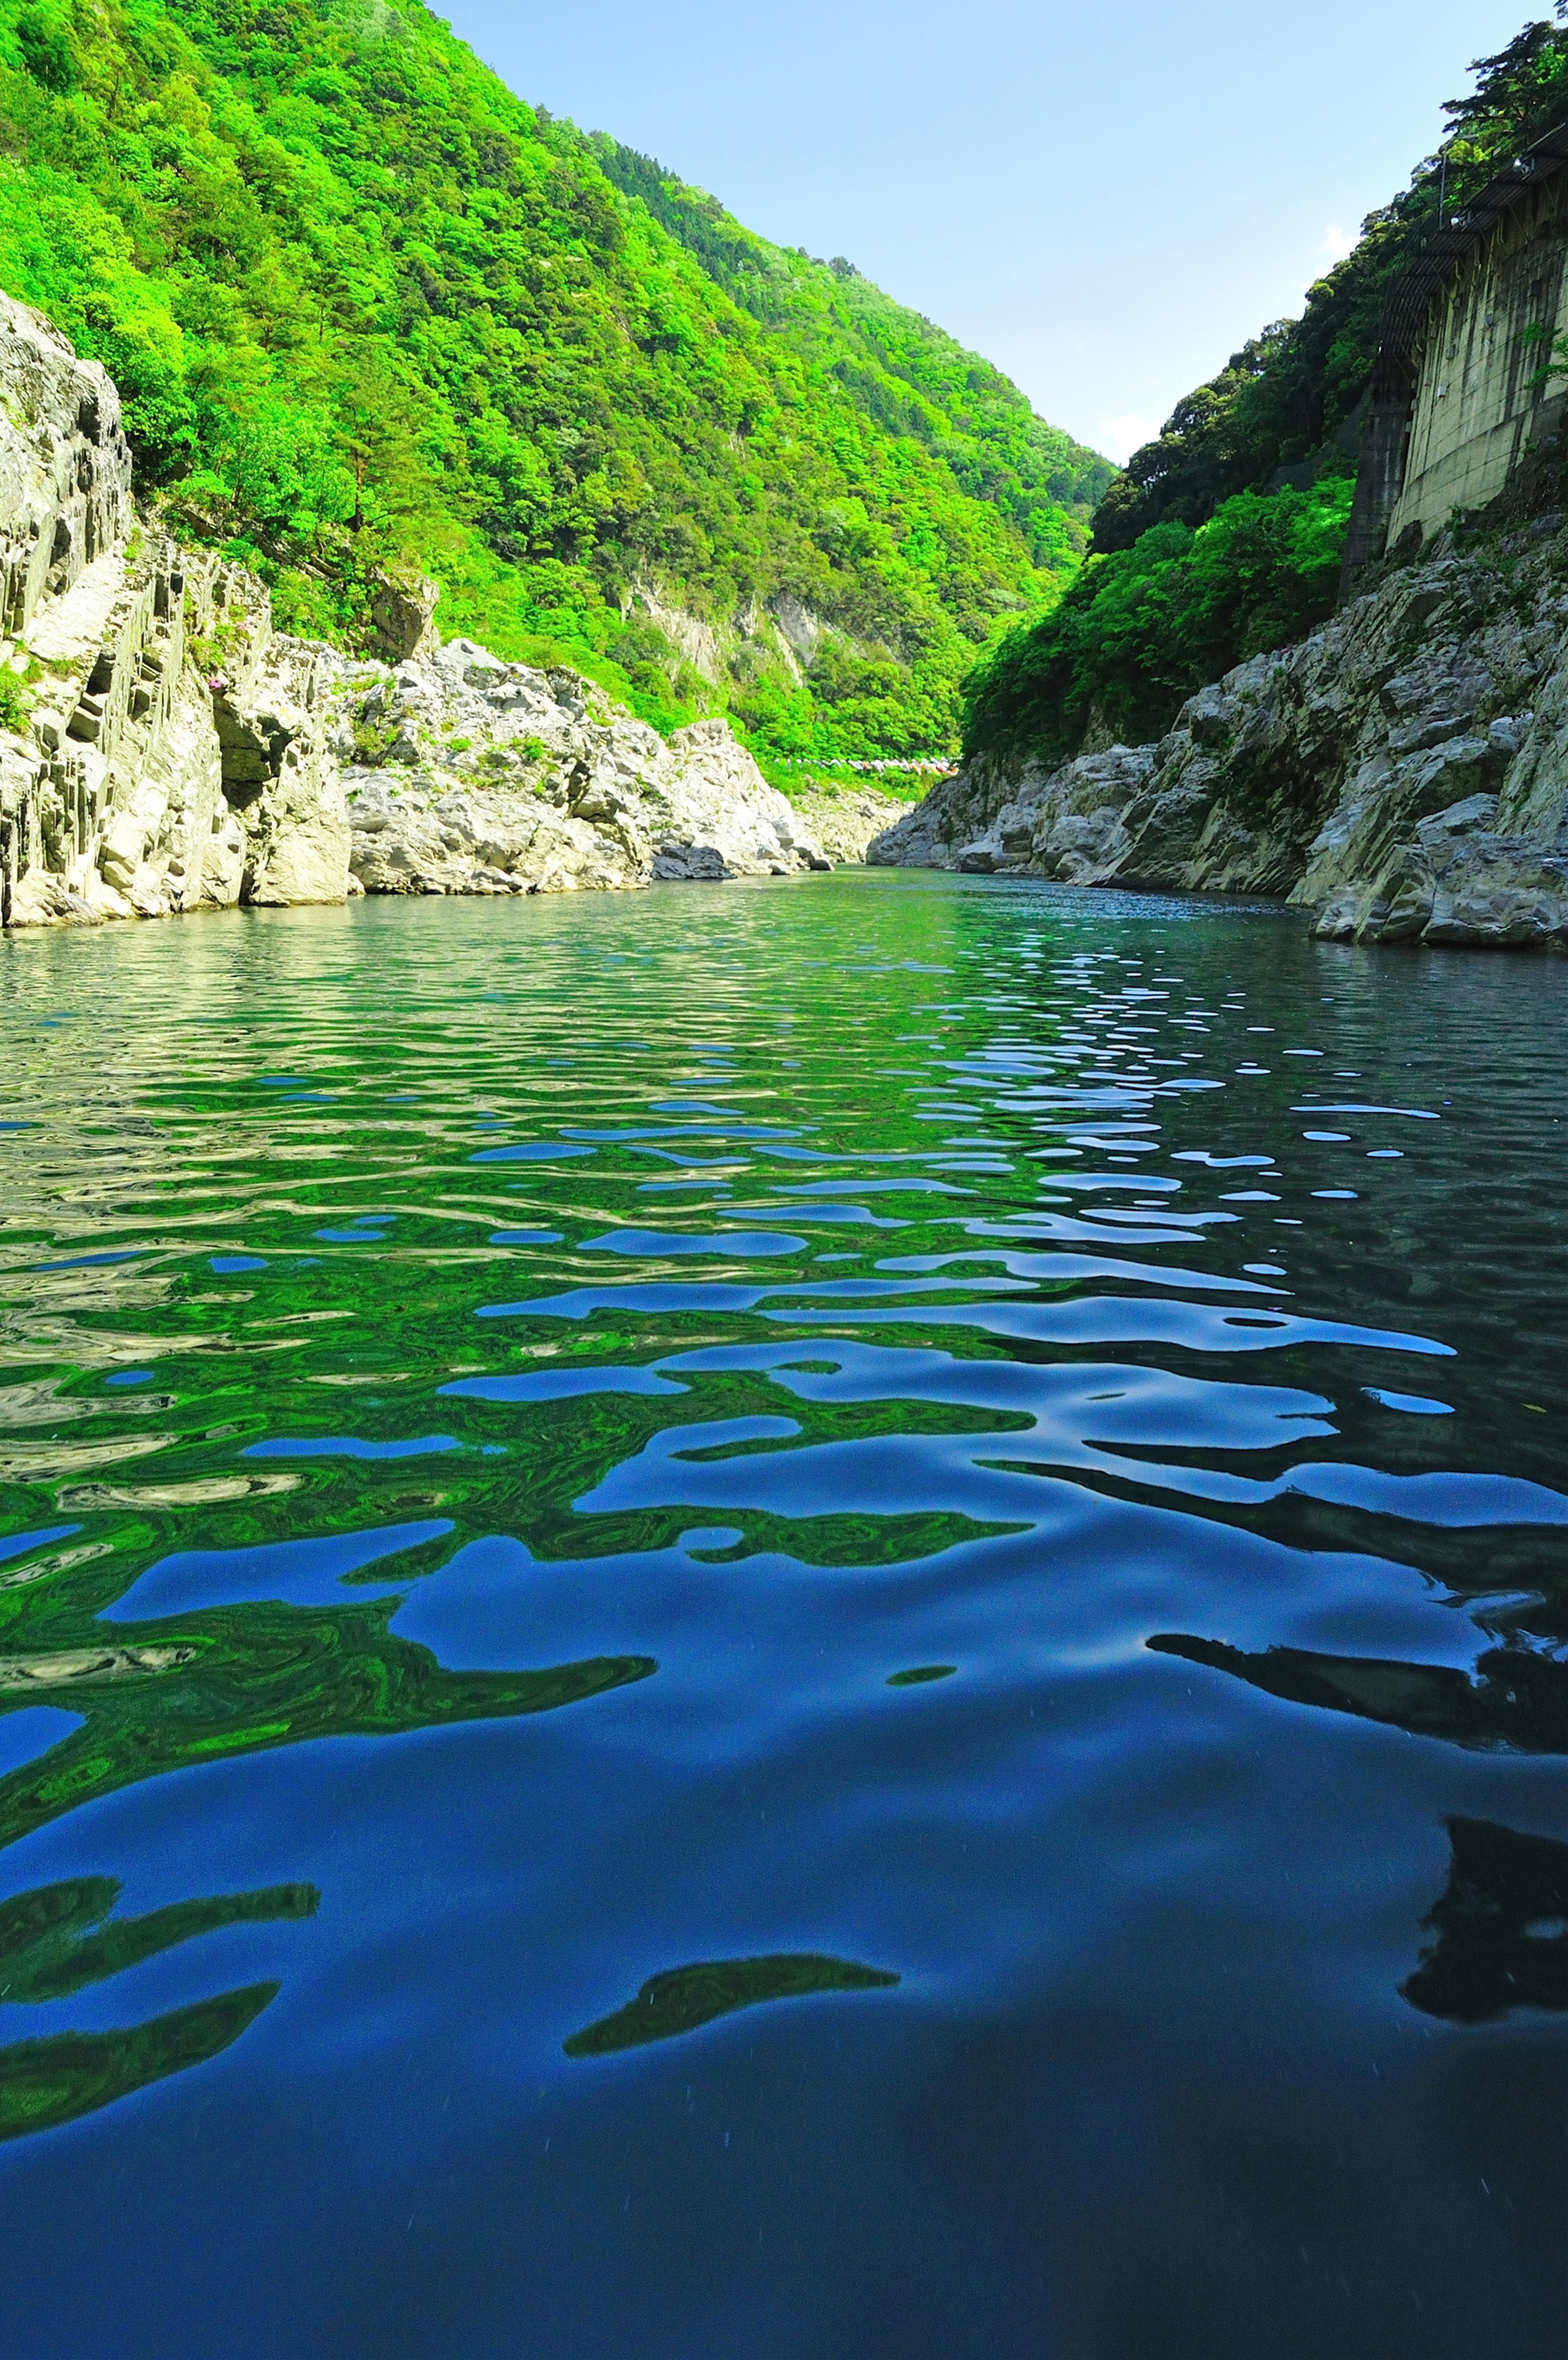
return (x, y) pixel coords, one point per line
(1223, 538)
(909, 372)
(1295, 385)
(369, 310)
(1143, 627)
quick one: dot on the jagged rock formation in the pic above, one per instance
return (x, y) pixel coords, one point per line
(163, 749)
(987, 816)
(467, 775)
(1403, 774)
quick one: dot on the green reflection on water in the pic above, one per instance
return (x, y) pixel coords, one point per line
(329, 1672)
(845, 1538)
(59, 1938)
(46, 2083)
(682, 1999)
(426, 1035)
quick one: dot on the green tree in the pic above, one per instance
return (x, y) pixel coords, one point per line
(1143, 627)
(369, 311)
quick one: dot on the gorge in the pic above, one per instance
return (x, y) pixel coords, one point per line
(178, 753)
(370, 313)
(818, 1621)
(226, 682)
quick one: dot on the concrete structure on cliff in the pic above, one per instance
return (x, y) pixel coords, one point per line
(1456, 397)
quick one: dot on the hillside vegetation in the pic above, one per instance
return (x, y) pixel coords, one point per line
(1224, 537)
(369, 311)
(912, 376)
(1140, 630)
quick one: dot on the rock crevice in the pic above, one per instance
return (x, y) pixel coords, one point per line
(163, 748)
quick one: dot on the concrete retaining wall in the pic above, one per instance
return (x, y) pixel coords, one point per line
(1475, 407)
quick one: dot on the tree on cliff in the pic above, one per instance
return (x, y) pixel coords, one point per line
(1295, 386)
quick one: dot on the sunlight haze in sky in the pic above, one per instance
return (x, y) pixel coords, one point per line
(1104, 202)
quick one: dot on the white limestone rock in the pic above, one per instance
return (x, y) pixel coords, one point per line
(466, 774)
(846, 820)
(1402, 773)
(125, 797)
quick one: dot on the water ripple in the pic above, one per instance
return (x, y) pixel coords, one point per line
(828, 1789)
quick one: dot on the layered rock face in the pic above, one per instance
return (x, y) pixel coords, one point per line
(163, 749)
(844, 820)
(467, 775)
(1403, 774)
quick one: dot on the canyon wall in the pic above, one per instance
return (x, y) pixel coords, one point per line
(1402, 774)
(163, 749)
(159, 745)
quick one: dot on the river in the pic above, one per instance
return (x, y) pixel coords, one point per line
(817, 1621)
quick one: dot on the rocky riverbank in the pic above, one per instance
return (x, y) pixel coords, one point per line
(463, 774)
(1402, 774)
(163, 748)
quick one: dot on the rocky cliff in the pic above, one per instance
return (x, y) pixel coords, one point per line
(464, 774)
(163, 749)
(1402, 774)
(844, 820)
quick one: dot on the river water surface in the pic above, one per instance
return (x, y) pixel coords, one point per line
(818, 1623)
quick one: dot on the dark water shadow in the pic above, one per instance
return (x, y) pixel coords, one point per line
(683, 1998)
(1515, 1698)
(1500, 1928)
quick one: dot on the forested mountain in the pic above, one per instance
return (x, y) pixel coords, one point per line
(910, 374)
(369, 309)
(1224, 536)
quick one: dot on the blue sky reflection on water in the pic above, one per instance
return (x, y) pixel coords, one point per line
(1004, 1797)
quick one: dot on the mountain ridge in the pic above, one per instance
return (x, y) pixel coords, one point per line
(925, 379)
(371, 312)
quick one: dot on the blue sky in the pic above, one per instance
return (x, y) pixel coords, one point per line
(1106, 201)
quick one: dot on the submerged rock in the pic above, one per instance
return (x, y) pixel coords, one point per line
(1402, 774)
